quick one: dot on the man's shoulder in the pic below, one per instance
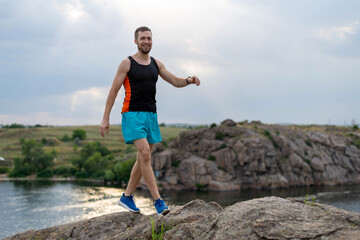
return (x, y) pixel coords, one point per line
(125, 62)
(125, 65)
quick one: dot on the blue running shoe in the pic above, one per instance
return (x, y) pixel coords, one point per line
(128, 203)
(161, 207)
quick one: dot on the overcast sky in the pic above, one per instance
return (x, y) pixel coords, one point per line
(273, 61)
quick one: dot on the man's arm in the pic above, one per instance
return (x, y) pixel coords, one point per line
(173, 80)
(119, 78)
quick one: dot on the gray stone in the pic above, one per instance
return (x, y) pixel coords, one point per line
(262, 218)
(228, 123)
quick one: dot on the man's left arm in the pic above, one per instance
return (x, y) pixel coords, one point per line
(176, 81)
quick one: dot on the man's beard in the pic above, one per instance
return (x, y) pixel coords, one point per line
(143, 51)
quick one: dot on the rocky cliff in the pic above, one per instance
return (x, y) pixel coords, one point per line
(253, 155)
(264, 218)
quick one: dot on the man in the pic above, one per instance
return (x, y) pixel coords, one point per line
(139, 74)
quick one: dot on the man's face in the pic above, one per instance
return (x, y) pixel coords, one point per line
(144, 42)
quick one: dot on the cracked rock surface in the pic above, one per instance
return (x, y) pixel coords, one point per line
(232, 157)
(262, 218)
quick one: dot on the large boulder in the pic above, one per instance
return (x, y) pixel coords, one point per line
(263, 218)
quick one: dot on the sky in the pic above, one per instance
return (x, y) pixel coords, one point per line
(274, 61)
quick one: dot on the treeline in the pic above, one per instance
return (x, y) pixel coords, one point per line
(17, 125)
(94, 161)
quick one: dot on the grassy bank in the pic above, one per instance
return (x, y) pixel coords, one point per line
(10, 145)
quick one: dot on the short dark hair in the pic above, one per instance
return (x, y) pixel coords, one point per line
(141, 29)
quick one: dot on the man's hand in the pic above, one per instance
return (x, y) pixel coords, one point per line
(194, 80)
(105, 126)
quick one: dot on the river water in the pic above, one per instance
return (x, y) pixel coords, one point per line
(40, 204)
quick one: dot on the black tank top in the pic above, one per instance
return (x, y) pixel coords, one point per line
(140, 87)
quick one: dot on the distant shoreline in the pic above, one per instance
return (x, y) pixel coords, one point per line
(53, 179)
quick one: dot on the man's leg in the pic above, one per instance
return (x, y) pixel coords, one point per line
(135, 176)
(144, 163)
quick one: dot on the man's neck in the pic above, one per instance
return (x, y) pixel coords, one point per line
(141, 57)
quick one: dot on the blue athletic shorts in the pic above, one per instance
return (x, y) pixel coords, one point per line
(136, 125)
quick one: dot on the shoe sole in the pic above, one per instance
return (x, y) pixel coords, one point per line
(166, 211)
(126, 207)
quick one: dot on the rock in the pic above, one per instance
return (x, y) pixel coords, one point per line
(228, 123)
(317, 164)
(257, 154)
(262, 218)
(225, 158)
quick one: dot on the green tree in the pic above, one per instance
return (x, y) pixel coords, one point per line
(109, 175)
(35, 156)
(35, 159)
(79, 133)
(122, 169)
(95, 164)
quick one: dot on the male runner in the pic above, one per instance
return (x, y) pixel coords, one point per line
(139, 74)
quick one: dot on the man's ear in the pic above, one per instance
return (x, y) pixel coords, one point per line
(135, 41)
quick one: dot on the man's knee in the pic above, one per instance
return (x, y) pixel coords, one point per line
(144, 154)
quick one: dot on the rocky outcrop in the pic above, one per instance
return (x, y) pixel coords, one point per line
(264, 218)
(255, 155)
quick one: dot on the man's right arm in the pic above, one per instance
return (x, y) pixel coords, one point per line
(119, 78)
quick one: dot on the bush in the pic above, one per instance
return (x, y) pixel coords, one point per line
(268, 135)
(98, 174)
(81, 175)
(122, 169)
(35, 156)
(65, 171)
(94, 163)
(219, 136)
(65, 138)
(20, 169)
(46, 173)
(79, 133)
(211, 158)
(213, 125)
(355, 127)
(4, 170)
(109, 175)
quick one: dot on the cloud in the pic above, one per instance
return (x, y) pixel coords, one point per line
(72, 10)
(93, 97)
(339, 33)
(274, 62)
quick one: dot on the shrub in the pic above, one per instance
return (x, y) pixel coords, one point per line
(130, 149)
(175, 163)
(268, 135)
(109, 175)
(21, 169)
(201, 186)
(79, 133)
(308, 143)
(35, 156)
(355, 127)
(91, 148)
(99, 174)
(4, 170)
(213, 125)
(211, 158)
(94, 163)
(122, 169)
(65, 171)
(221, 168)
(46, 173)
(81, 175)
(219, 136)
(65, 138)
